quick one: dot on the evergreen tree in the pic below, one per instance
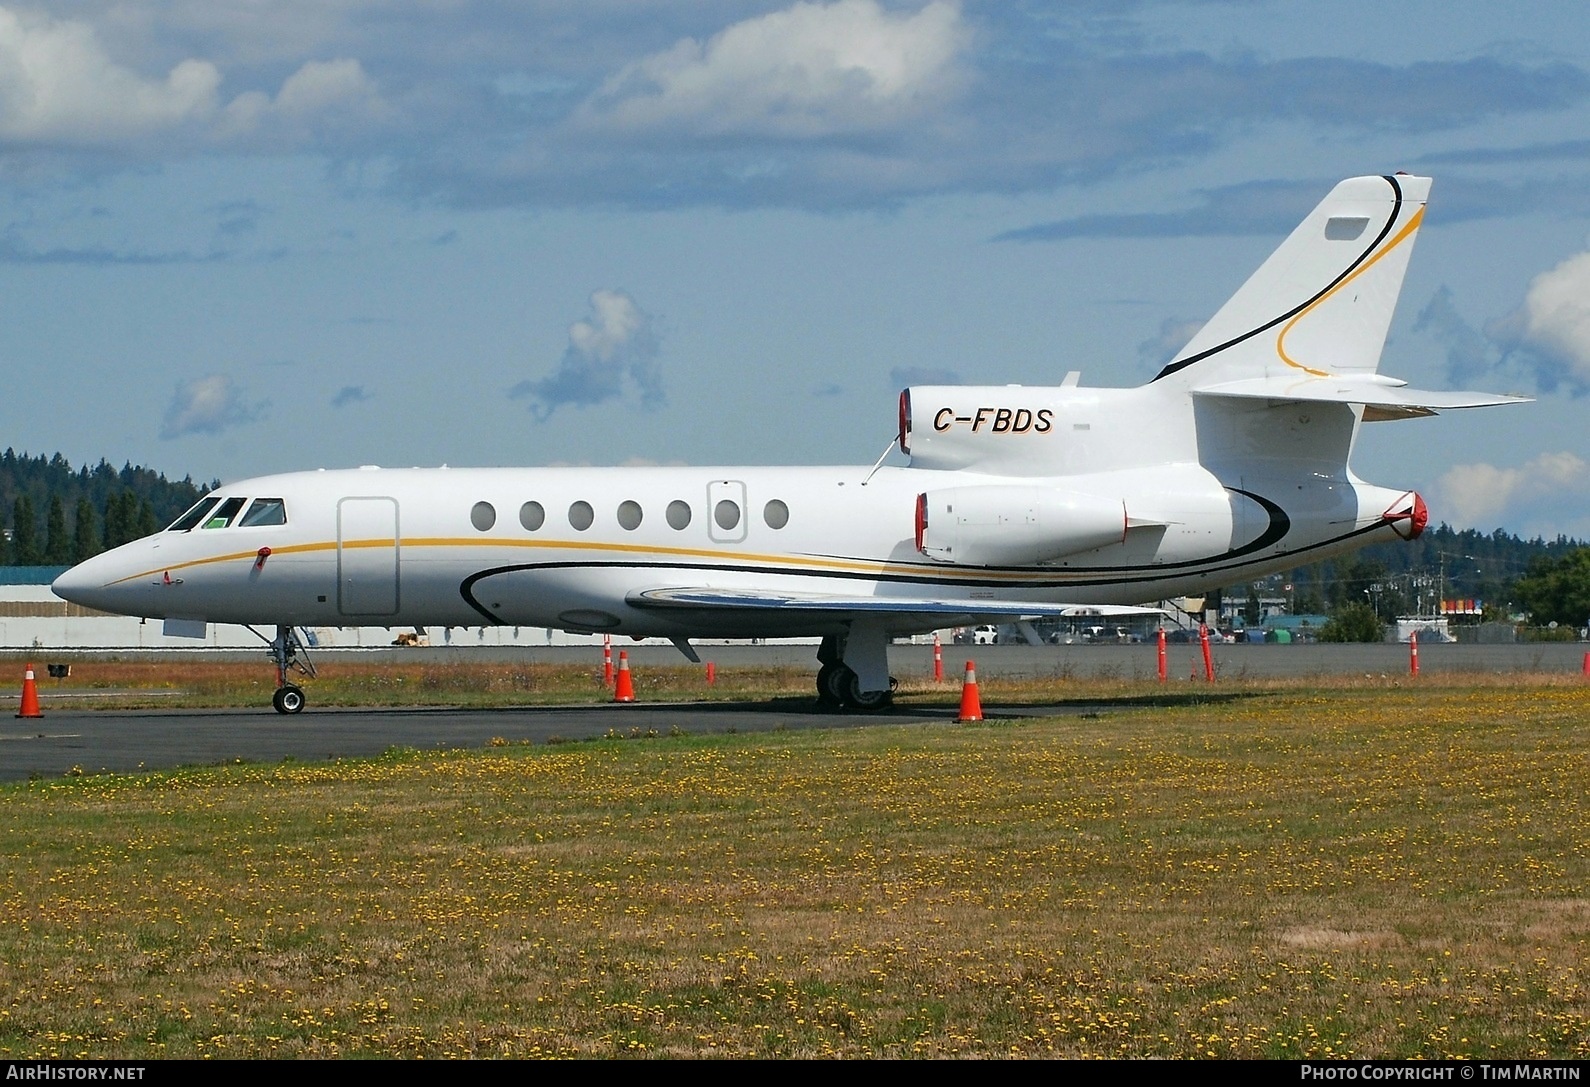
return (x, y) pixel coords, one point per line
(147, 524)
(57, 547)
(24, 543)
(85, 540)
(121, 519)
(115, 523)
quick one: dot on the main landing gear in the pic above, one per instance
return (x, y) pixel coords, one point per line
(289, 655)
(838, 684)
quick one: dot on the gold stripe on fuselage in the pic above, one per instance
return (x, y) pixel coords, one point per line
(774, 564)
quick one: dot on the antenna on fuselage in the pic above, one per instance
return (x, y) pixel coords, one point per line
(886, 451)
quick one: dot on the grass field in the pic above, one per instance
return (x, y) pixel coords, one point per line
(1285, 871)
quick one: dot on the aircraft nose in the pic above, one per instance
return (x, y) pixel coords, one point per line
(83, 584)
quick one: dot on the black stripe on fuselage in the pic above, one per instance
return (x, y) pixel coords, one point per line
(1229, 561)
(1396, 210)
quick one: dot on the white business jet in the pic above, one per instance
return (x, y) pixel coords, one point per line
(1017, 502)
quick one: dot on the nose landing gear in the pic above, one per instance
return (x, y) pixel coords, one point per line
(287, 652)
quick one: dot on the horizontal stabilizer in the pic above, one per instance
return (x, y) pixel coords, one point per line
(1383, 397)
(953, 612)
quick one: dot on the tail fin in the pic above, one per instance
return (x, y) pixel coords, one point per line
(1321, 305)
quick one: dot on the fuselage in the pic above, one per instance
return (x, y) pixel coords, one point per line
(573, 548)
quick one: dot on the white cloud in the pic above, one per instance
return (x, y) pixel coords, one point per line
(207, 405)
(1553, 324)
(1477, 495)
(613, 350)
(809, 70)
(58, 84)
(318, 89)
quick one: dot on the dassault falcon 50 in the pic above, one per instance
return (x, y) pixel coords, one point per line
(1016, 502)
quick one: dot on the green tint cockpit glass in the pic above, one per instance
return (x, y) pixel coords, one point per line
(223, 516)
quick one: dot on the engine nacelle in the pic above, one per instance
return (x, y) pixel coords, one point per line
(957, 426)
(1014, 526)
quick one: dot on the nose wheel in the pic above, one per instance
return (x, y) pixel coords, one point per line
(288, 699)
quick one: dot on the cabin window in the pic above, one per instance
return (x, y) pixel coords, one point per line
(532, 516)
(265, 511)
(629, 514)
(727, 514)
(776, 514)
(193, 516)
(483, 515)
(224, 515)
(581, 515)
(678, 514)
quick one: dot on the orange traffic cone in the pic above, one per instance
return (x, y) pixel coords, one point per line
(624, 691)
(971, 704)
(30, 695)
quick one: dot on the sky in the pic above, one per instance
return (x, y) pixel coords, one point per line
(247, 236)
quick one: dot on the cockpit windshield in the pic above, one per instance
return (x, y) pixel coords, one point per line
(193, 516)
(224, 515)
(217, 512)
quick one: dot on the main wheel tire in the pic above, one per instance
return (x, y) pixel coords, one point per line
(831, 684)
(288, 699)
(866, 701)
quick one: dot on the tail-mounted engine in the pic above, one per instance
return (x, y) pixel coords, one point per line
(1014, 526)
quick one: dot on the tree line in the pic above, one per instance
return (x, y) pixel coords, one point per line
(54, 515)
(1403, 577)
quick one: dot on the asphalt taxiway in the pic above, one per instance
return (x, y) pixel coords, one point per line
(94, 742)
(116, 740)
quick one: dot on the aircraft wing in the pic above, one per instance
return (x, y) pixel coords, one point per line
(951, 612)
(1382, 397)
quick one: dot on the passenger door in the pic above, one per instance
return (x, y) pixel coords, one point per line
(367, 556)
